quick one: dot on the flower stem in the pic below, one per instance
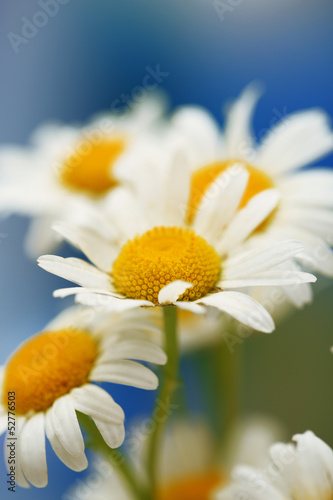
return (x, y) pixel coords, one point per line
(168, 384)
(230, 378)
(115, 457)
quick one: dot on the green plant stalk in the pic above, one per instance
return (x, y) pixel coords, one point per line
(169, 382)
(229, 372)
(115, 457)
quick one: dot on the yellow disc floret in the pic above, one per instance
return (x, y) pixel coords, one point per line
(199, 487)
(203, 178)
(162, 255)
(48, 366)
(89, 168)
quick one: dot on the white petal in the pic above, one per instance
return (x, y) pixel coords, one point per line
(248, 219)
(190, 306)
(126, 373)
(142, 350)
(296, 141)
(111, 303)
(200, 131)
(238, 133)
(99, 251)
(310, 188)
(41, 238)
(75, 270)
(269, 278)
(220, 202)
(299, 295)
(66, 292)
(77, 463)
(113, 435)
(75, 316)
(177, 189)
(302, 472)
(243, 308)
(259, 259)
(20, 478)
(318, 448)
(97, 403)
(250, 484)
(171, 292)
(33, 453)
(317, 221)
(66, 426)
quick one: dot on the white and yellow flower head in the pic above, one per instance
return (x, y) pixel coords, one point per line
(65, 164)
(304, 210)
(145, 253)
(300, 471)
(53, 374)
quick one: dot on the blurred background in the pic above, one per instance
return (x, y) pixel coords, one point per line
(91, 53)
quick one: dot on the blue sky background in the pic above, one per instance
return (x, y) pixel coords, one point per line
(89, 54)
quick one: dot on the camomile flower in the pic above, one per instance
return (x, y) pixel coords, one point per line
(147, 258)
(188, 467)
(65, 164)
(55, 373)
(299, 471)
(304, 210)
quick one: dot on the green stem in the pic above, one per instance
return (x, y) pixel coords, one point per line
(230, 377)
(115, 457)
(168, 383)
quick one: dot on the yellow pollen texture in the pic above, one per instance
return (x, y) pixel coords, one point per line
(162, 255)
(204, 177)
(89, 168)
(48, 366)
(198, 487)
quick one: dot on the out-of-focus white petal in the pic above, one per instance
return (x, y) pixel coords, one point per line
(32, 452)
(295, 142)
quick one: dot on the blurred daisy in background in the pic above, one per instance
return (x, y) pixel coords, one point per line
(299, 471)
(54, 374)
(140, 261)
(304, 210)
(64, 164)
(188, 466)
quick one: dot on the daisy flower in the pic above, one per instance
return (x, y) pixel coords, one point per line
(145, 254)
(54, 374)
(188, 467)
(305, 206)
(300, 471)
(65, 164)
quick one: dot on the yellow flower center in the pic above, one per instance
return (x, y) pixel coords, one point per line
(48, 366)
(162, 255)
(203, 178)
(198, 487)
(89, 168)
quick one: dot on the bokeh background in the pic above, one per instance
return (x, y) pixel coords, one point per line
(91, 53)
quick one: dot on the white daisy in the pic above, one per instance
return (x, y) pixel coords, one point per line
(143, 257)
(305, 206)
(188, 467)
(52, 375)
(301, 471)
(65, 164)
